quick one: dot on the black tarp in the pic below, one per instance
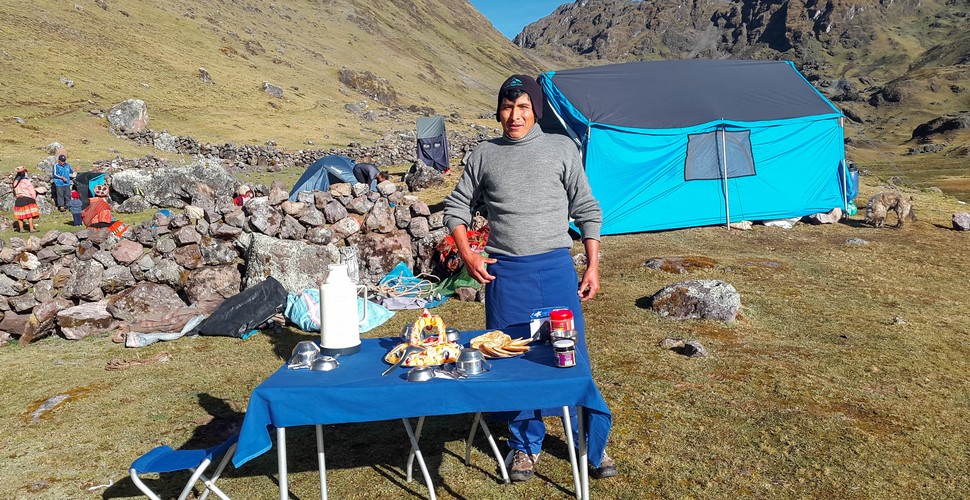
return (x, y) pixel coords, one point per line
(246, 310)
(433, 142)
(82, 182)
(684, 93)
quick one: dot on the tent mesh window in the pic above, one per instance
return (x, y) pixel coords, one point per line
(706, 154)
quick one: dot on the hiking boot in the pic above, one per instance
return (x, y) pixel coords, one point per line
(606, 469)
(522, 465)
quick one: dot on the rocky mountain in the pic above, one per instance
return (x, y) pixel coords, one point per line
(892, 65)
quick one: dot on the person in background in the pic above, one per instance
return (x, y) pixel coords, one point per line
(75, 207)
(244, 193)
(25, 200)
(98, 214)
(532, 184)
(61, 174)
(368, 173)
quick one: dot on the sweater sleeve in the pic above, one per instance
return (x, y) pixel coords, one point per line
(583, 207)
(461, 202)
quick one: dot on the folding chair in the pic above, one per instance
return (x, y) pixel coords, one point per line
(164, 459)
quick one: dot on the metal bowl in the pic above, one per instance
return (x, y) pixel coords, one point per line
(452, 334)
(421, 374)
(324, 363)
(304, 352)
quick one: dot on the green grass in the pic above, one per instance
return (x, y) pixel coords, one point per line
(816, 391)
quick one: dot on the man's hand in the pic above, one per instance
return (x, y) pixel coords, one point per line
(591, 278)
(590, 284)
(476, 266)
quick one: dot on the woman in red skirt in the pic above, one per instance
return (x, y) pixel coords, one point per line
(25, 204)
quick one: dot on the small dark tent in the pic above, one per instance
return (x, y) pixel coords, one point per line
(331, 169)
(84, 182)
(433, 142)
(672, 144)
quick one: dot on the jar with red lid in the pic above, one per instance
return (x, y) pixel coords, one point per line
(561, 320)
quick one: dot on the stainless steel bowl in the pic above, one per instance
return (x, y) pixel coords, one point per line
(452, 334)
(421, 374)
(324, 363)
(471, 362)
(304, 352)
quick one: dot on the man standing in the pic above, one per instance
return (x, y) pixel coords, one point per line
(61, 173)
(531, 184)
(368, 173)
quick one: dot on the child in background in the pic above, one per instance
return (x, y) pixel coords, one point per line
(74, 205)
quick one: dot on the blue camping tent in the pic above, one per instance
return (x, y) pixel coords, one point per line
(331, 169)
(672, 144)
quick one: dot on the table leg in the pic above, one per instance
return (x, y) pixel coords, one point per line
(471, 437)
(323, 463)
(417, 435)
(498, 455)
(583, 458)
(417, 453)
(281, 460)
(568, 427)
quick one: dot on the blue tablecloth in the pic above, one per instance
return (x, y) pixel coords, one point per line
(356, 392)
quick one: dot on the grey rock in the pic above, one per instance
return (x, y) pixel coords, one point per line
(166, 272)
(104, 258)
(334, 211)
(420, 177)
(49, 254)
(436, 220)
(273, 90)
(186, 236)
(277, 194)
(173, 187)
(10, 287)
(379, 253)
(85, 320)
(419, 227)
(14, 271)
(402, 216)
(320, 235)
(141, 300)
(129, 116)
(291, 229)
(84, 282)
(961, 221)
(386, 188)
(189, 256)
(856, 241)
(341, 189)
(209, 286)
(126, 252)
(43, 272)
(235, 218)
(670, 343)
(360, 205)
(67, 239)
(312, 217)
(697, 299)
(44, 291)
(133, 205)
(294, 208)
(60, 250)
(359, 189)
(22, 303)
(693, 349)
(264, 218)
(345, 227)
(218, 252)
(296, 264)
(43, 320)
(420, 209)
(165, 245)
(832, 217)
(321, 199)
(117, 278)
(224, 231)
(380, 219)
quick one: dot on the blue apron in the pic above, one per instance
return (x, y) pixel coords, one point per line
(522, 284)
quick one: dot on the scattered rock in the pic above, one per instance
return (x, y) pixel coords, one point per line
(128, 116)
(697, 299)
(961, 221)
(670, 343)
(856, 241)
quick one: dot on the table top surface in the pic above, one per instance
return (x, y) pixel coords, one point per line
(356, 392)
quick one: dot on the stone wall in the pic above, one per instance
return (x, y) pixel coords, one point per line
(208, 252)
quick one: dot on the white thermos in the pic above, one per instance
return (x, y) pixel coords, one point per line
(339, 324)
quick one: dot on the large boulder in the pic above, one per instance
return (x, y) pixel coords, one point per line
(129, 116)
(86, 319)
(174, 187)
(379, 253)
(142, 299)
(297, 265)
(209, 286)
(697, 299)
(421, 176)
(961, 221)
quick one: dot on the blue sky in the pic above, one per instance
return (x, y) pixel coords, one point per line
(510, 16)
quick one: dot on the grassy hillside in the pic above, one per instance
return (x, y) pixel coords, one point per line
(439, 54)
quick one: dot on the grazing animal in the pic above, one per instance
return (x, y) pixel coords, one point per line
(881, 203)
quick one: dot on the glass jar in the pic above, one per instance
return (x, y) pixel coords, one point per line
(565, 352)
(561, 319)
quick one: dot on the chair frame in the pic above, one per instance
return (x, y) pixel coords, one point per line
(197, 474)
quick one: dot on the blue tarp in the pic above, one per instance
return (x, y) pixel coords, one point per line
(778, 139)
(322, 173)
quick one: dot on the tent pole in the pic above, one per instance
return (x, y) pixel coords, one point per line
(572, 134)
(727, 204)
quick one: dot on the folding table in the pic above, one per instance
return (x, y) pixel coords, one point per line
(356, 392)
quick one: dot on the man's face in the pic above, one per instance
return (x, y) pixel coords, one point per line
(517, 117)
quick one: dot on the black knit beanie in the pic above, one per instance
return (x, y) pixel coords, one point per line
(529, 86)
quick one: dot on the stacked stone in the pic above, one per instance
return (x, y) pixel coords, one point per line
(210, 252)
(393, 149)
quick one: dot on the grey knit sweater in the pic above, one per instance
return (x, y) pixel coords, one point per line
(530, 187)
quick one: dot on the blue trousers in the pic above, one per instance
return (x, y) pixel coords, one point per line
(522, 284)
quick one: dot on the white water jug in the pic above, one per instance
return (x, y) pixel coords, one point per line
(339, 324)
